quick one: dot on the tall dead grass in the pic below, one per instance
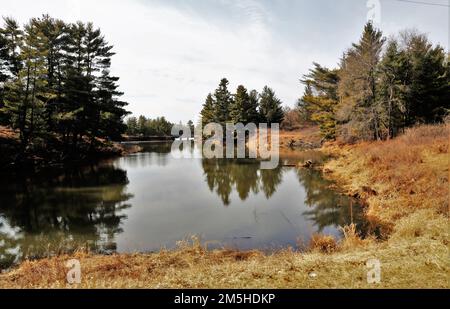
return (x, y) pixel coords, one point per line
(404, 174)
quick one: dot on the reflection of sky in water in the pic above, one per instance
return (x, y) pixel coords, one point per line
(150, 200)
(164, 185)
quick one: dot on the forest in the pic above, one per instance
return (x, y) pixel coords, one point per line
(380, 87)
(56, 89)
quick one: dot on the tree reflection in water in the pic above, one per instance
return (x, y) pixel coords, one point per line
(327, 208)
(59, 213)
(244, 176)
(80, 208)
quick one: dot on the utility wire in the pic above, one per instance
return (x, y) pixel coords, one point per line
(425, 3)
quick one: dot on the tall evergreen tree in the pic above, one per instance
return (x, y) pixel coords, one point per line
(393, 89)
(270, 107)
(132, 126)
(357, 88)
(429, 88)
(223, 101)
(72, 122)
(26, 93)
(208, 112)
(302, 106)
(55, 37)
(240, 106)
(142, 125)
(3, 73)
(253, 107)
(11, 40)
(320, 98)
(109, 111)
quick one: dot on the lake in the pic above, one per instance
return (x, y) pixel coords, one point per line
(150, 200)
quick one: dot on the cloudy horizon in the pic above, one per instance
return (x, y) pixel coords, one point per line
(171, 54)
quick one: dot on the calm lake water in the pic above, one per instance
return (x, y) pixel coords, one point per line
(149, 200)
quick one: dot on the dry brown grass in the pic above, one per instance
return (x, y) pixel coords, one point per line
(323, 243)
(397, 177)
(406, 185)
(308, 135)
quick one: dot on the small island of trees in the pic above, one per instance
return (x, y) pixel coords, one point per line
(242, 107)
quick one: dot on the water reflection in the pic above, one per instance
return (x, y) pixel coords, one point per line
(244, 176)
(160, 154)
(81, 208)
(326, 206)
(149, 200)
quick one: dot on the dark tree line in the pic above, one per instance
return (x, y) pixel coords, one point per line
(380, 87)
(143, 126)
(56, 86)
(242, 107)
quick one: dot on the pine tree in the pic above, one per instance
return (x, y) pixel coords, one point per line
(208, 112)
(223, 101)
(253, 108)
(11, 40)
(429, 89)
(55, 37)
(240, 105)
(302, 105)
(142, 125)
(132, 126)
(90, 105)
(26, 95)
(320, 98)
(270, 107)
(358, 109)
(3, 73)
(109, 111)
(393, 89)
(71, 120)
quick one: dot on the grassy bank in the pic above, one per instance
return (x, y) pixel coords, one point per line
(405, 183)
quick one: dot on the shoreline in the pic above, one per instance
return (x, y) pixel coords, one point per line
(414, 254)
(32, 167)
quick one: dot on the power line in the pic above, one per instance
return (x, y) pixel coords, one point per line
(425, 3)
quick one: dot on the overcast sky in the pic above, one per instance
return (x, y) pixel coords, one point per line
(171, 53)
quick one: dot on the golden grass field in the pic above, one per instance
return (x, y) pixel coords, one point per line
(405, 182)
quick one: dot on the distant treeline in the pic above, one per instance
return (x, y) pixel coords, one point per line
(143, 126)
(242, 107)
(56, 87)
(379, 88)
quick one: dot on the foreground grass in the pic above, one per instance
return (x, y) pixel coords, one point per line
(405, 183)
